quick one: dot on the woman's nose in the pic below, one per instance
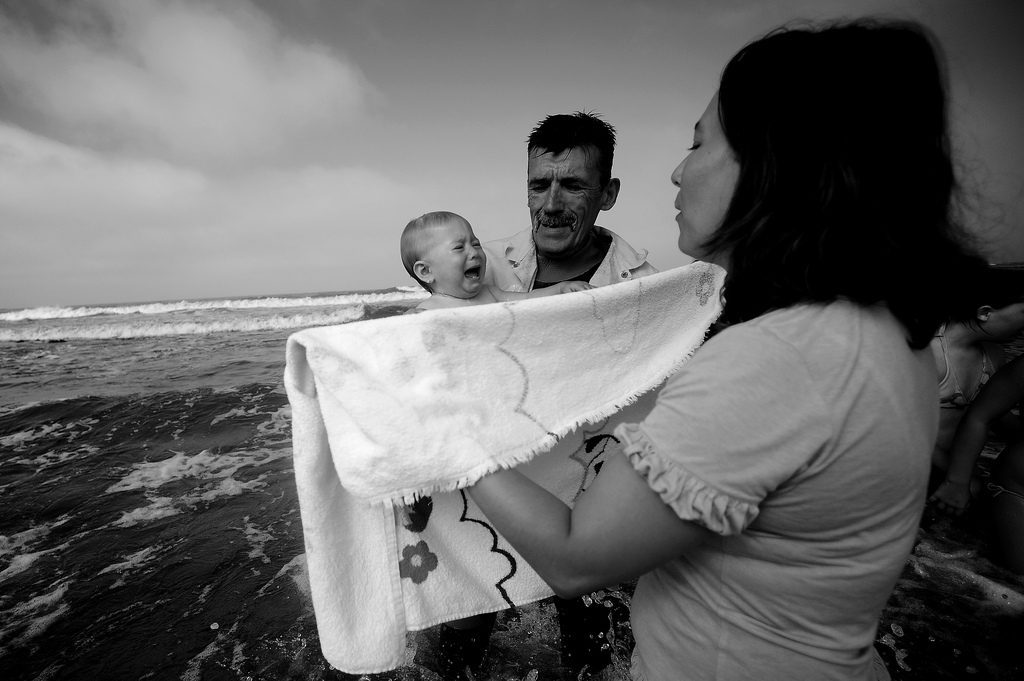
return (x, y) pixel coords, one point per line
(677, 174)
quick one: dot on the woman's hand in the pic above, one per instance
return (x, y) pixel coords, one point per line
(619, 529)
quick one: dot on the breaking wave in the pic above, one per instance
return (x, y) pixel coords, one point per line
(398, 295)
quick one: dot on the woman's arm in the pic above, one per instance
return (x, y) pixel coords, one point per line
(737, 422)
(619, 529)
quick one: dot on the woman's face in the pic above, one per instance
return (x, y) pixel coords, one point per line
(707, 180)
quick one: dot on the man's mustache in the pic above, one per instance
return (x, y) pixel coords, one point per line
(560, 220)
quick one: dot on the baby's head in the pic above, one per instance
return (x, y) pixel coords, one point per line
(440, 251)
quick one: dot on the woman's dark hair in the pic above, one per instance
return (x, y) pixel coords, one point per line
(846, 185)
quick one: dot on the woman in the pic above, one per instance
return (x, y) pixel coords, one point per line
(771, 497)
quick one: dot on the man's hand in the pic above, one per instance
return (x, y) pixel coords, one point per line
(570, 286)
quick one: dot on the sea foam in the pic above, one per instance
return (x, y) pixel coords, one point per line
(146, 328)
(399, 295)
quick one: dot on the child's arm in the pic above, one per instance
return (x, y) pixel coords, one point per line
(1003, 390)
(554, 289)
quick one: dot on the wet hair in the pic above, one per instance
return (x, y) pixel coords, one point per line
(998, 286)
(412, 244)
(579, 130)
(846, 186)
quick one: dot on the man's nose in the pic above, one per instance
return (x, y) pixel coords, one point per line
(553, 202)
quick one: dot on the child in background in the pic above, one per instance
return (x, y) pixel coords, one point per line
(440, 251)
(968, 353)
(997, 398)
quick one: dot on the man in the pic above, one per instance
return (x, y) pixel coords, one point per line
(569, 182)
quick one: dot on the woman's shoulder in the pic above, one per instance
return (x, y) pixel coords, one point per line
(818, 337)
(836, 312)
(842, 322)
(775, 343)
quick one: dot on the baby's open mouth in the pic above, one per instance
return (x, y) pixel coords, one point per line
(473, 273)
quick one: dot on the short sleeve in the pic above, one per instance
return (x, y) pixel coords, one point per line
(738, 422)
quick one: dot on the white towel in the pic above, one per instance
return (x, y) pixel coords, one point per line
(386, 412)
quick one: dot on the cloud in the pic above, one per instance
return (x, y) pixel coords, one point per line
(80, 226)
(42, 178)
(191, 81)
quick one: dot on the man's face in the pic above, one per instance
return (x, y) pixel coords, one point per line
(565, 194)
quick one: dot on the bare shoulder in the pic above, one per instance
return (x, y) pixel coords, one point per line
(492, 294)
(436, 302)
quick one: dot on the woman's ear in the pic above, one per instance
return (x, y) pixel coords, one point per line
(983, 313)
(421, 269)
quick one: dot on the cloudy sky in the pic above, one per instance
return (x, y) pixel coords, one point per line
(168, 149)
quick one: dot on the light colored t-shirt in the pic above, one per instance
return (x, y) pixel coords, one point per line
(802, 439)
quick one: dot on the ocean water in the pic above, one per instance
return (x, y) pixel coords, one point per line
(150, 525)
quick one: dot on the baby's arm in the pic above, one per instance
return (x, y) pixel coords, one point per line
(999, 395)
(554, 289)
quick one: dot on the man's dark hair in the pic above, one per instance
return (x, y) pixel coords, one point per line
(846, 185)
(578, 130)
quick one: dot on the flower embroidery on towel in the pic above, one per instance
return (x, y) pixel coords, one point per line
(417, 562)
(705, 286)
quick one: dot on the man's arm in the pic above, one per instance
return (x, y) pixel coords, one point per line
(554, 289)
